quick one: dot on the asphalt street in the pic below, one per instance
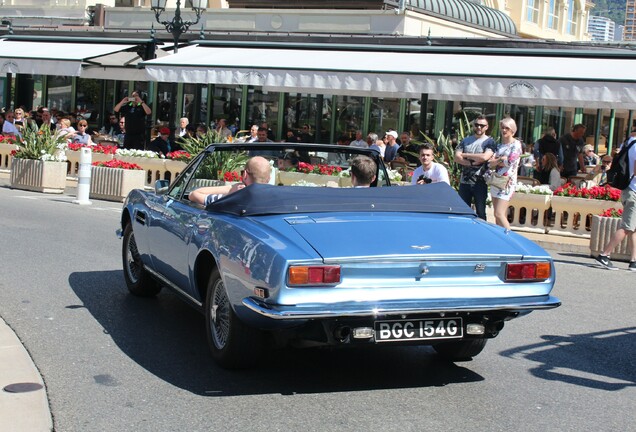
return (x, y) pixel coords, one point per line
(113, 362)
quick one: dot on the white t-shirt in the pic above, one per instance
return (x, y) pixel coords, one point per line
(437, 173)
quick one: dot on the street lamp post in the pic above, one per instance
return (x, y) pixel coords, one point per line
(177, 26)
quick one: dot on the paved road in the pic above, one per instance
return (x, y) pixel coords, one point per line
(114, 362)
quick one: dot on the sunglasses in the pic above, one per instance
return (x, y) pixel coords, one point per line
(606, 162)
(480, 125)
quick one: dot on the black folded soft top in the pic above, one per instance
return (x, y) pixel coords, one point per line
(259, 199)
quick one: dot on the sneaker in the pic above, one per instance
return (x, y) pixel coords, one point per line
(605, 262)
(632, 266)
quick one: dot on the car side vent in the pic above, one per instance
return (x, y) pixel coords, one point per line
(299, 220)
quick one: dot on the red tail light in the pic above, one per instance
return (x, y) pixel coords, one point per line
(531, 271)
(313, 275)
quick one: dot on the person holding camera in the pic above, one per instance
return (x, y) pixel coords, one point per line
(430, 171)
(598, 176)
(134, 110)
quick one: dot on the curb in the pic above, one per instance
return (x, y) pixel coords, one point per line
(24, 405)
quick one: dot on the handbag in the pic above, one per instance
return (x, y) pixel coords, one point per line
(497, 180)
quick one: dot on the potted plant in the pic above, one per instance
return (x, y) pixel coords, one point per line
(112, 180)
(573, 207)
(603, 227)
(39, 162)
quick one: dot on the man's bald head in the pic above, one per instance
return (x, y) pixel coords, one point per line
(258, 169)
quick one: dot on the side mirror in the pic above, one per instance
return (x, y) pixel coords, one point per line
(161, 186)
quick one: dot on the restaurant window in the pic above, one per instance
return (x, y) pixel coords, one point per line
(164, 101)
(190, 103)
(59, 94)
(384, 115)
(262, 107)
(532, 12)
(226, 103)
(420, 119)
(88, 102)
(308, 109)
(349, 116)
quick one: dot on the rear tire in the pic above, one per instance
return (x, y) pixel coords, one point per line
(233, 344)
(462, 350)
(138, 280)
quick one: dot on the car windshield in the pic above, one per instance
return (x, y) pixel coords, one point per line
(292, 165)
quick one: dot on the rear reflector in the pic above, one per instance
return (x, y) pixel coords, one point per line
(531, 271)
(313, 275)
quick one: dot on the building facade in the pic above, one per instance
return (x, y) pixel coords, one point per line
(601, 29)
(497, 26)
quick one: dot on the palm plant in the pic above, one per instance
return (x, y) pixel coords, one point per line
(41, 143)
(219, 162)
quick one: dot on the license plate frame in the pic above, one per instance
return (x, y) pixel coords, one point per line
(419, 329)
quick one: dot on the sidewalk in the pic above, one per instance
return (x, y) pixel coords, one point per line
(24, 406)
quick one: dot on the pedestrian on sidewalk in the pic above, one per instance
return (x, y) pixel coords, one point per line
(628, 220)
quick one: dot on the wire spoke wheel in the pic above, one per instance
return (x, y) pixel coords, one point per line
(220, 315)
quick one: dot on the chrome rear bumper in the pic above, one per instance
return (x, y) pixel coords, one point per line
(337, 310)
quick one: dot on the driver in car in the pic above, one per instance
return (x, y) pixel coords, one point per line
(257, 170)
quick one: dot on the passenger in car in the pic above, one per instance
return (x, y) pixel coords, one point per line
(363, 171)
(257, 170)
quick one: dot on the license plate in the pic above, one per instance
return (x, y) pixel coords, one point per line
(419, 329)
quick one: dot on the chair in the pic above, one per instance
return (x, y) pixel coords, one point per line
(577, 180)
(402, 167)
(530, 181)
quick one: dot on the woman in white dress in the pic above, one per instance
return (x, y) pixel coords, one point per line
(506, 162)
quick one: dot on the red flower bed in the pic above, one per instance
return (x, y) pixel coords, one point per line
(99, 148)
(6, 139)
(231, 176)
(116, 163)
(607, 193)
(613, 213)
(306, 168)
(179, 155)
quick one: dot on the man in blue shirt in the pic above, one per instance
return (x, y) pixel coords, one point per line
(472, 153)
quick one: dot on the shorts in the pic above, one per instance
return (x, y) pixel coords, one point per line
(505, 195)
(628, 199)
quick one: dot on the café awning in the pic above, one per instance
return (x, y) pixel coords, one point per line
(590, 78)
(89, 60)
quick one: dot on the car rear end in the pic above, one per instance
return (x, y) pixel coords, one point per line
(404, 278)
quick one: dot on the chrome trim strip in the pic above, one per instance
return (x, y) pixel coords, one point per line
(279, 312)
(173, 287)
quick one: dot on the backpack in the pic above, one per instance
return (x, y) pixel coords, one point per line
(618, 175)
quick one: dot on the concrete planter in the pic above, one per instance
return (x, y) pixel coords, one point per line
(529, 212)
(289, 178)
(174, 168)
(573, 216)
(114, 184)
(155, 168)
(74, 158)
(5, 155)
(38, 176)
(602, 230)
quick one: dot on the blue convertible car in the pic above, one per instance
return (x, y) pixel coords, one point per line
(336, 266)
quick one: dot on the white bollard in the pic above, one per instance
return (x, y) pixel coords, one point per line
(84, 177)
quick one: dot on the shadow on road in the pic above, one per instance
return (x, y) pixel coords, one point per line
(602, 360)
(167, 337)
